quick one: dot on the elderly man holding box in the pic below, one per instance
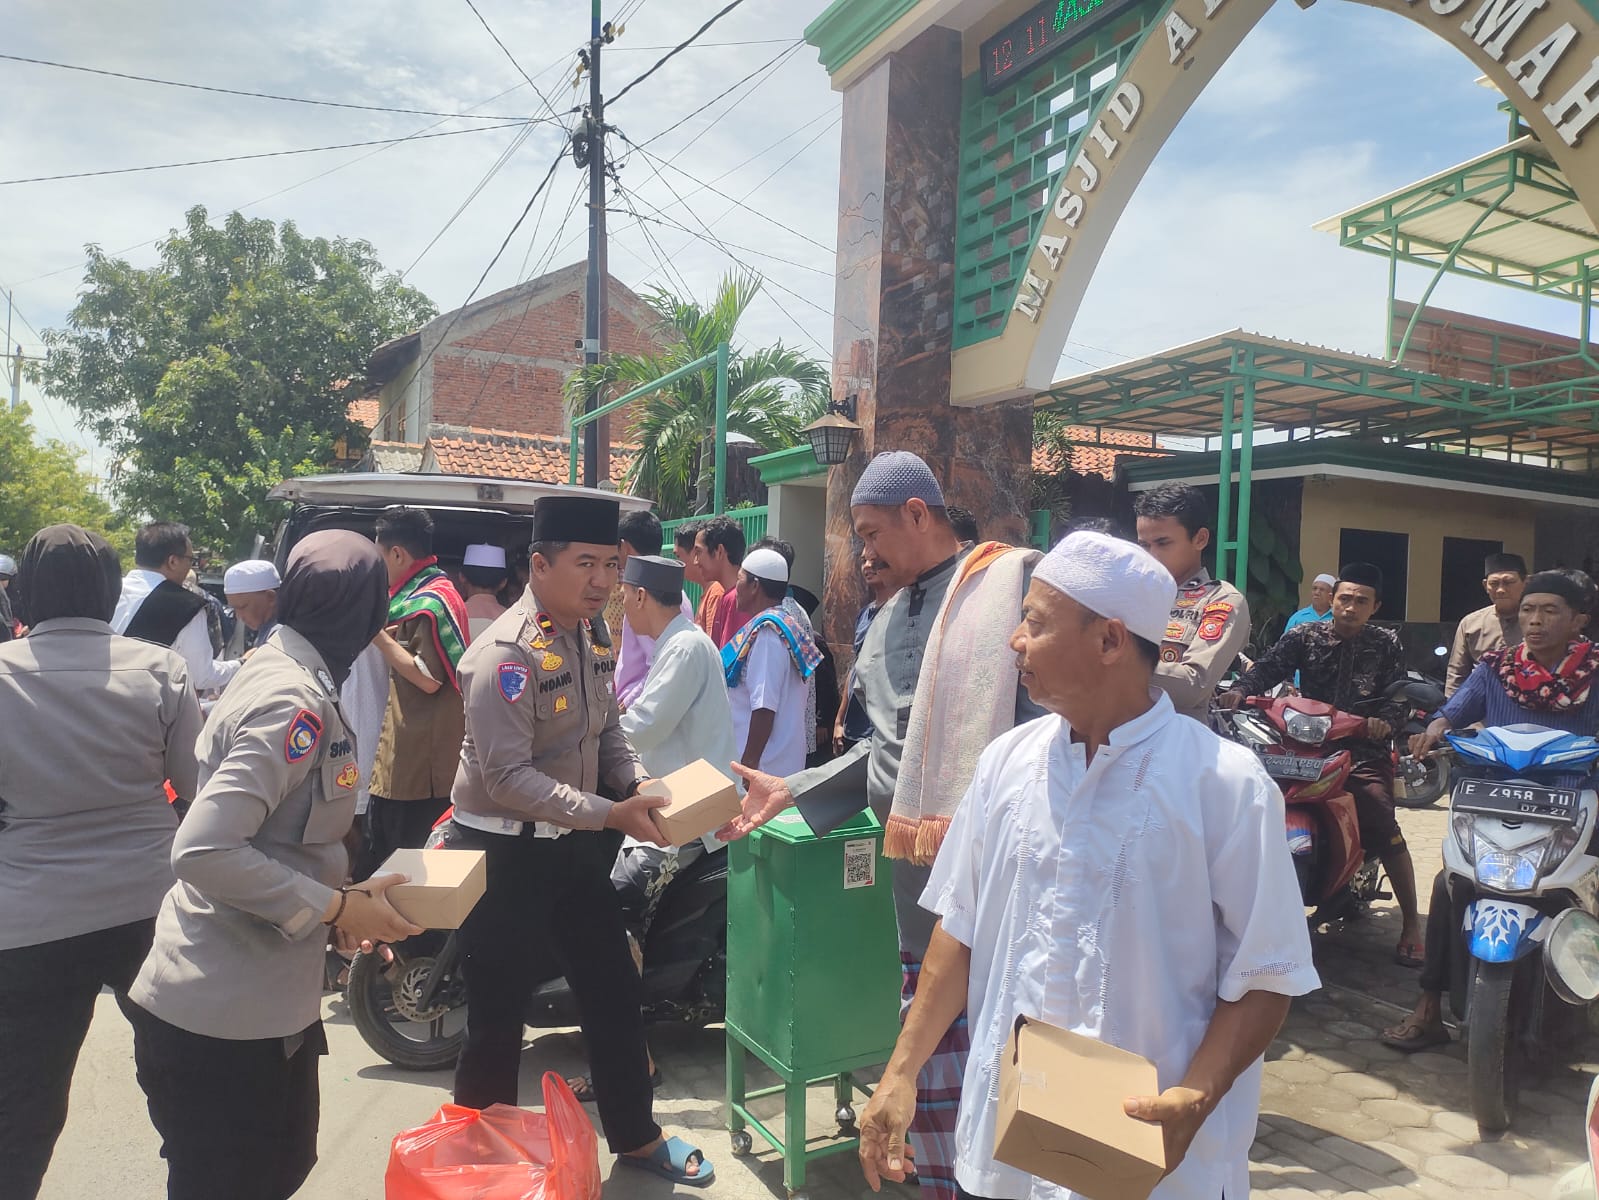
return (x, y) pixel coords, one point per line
(1116, 871)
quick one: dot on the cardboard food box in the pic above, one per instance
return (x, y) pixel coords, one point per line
(444, 887)
(1060, 1113)
(703, 799)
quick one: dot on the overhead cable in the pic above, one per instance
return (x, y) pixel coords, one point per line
(768, 64)
(455, 317)
(674, 51)
(226, 91)
(490, 31)
(203, 162)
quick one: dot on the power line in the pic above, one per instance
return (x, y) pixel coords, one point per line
(675, 50)
(660, 219)
(456, 316)
(205, 162)
(716, 192)
(490, 31)
(708, 45)
(770, 63)
(226, 91)
(302, 183)
(506, 155)
(505, 346)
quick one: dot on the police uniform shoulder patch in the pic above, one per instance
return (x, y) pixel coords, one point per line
(349, 776)
(512, 678)
(1213, 623)
(1171, 652)
(302, 736)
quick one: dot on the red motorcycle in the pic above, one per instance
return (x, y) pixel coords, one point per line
(1299, 741)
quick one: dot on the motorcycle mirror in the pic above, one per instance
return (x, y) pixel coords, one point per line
(1571, 956)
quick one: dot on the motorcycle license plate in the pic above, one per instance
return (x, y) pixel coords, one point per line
(1291, 766)
(1515, 800)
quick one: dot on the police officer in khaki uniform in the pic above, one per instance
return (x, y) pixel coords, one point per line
(547, 786)
(1210, 621)
(226, 1010)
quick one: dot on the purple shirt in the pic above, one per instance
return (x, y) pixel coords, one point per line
(634, 658)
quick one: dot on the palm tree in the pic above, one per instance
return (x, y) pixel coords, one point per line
(772, 394)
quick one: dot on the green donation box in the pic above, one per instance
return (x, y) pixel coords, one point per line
(813, 975)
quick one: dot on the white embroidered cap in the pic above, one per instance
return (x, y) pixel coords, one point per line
(251, 575)
(1114, 579)
(766, 564)
(484, 554)
(1329, 580)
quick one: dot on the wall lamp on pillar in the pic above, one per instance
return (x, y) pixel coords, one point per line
(831, 435)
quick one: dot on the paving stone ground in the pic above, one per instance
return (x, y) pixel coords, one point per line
(1341, 1115)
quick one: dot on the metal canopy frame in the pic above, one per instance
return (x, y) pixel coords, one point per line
(1508, 217)
(1225, 389)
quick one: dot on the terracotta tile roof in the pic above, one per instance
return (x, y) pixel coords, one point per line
(1097, 459)
(503, 454)
(364, 411)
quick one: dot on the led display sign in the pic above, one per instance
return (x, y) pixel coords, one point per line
(1041, 32)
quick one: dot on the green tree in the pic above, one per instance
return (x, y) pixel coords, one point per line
(772, 394)
(219, 372)
(42, 484)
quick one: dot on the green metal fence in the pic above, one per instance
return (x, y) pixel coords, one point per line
(751, 520)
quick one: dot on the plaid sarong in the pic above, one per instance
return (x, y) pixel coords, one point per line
(938, 1097)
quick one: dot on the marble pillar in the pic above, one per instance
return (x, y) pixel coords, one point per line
(894, 308)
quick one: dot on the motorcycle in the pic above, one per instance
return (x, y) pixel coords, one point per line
(409, 1000)
(1418, 782)
(1518, 858)
(1297, 741)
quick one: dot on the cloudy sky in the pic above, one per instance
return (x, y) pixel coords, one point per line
(1319, 110)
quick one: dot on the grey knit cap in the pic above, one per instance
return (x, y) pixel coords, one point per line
(895, 477)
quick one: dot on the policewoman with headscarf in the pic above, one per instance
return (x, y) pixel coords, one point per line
(227, 1008)
(84, 837)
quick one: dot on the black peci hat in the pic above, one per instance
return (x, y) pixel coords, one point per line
(586, 519)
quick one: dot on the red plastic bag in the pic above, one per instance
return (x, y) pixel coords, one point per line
(500, 1153)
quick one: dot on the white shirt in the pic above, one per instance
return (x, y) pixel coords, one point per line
(193, 642)
(683, 713)
(1119, 899)
(772, 681)
(364, 699)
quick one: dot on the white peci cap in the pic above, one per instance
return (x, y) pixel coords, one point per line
(484, 555)
(251, 575)
(1114, 579)
(766, 563)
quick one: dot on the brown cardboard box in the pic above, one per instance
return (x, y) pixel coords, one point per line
(444, 887)
(703, 800)
(1060, 1113)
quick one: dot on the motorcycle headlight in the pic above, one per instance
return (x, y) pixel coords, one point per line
(1506, 871)
(1303, 727)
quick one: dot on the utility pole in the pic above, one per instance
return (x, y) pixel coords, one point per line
(595, 307)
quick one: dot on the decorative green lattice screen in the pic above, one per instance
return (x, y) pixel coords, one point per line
(1014, 145)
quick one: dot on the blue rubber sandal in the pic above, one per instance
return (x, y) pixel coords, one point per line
(670, 1161)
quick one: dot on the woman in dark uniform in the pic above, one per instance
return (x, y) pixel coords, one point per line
(227, 1008)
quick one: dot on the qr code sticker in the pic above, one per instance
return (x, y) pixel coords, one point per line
(860, 863)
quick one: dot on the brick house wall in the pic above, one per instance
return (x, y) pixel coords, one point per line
(502, 362)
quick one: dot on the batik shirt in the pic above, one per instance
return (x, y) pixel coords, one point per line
(1348, 673)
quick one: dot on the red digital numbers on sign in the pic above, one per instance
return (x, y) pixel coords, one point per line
(1040, 33)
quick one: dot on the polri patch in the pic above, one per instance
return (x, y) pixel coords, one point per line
(349, 777)
(1214, 622)
(303, 733)
(513, 680)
